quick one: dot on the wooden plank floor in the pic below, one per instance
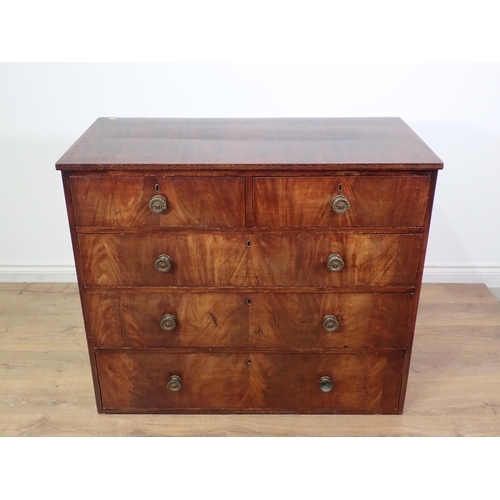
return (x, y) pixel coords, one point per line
(46, 387)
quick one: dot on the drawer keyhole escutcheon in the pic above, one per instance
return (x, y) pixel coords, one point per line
(340, 187)
(330, 323)
(249, 301)
(248, 244)
(325, 384)
(335, 263)
(168, 322)
(158, 204)
(249, 361)
(163, 263)
(157, 188)
(174, 383)
(340, 204)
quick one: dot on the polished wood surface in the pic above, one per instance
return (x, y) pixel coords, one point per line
(191, 201)
(136, 143)
(397, 201)
(46, 384)
(132, 319)
(250, 381)
(249, 209)
(250, 259)
(366, 320)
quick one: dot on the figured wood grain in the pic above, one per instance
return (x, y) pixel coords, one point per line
(191, 201)
(367, 321)
(203, 319)
(250, 382)
(299, 259)
(272, 259)
(228, 143)
(395, 201)
(453, 388)
(132, 319)
(197, 259)
(382, 245)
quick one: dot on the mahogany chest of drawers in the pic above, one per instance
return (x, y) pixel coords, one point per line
(249, 265)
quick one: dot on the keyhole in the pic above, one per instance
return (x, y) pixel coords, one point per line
(248, 244)
(340, 187)
(157, 188)
(249, 301)
(249, 361)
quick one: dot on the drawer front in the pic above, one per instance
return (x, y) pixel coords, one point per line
(398, 201)
(197, 259)
(260, 259)
(360, 320)
(135, 319)
(250, 381)
(190, 201)
(300, 259)
(364, 320)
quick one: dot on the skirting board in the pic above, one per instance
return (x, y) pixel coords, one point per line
(489, 275)
(31, 273)
(65, 273)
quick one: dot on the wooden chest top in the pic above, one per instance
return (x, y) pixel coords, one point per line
(263, 143)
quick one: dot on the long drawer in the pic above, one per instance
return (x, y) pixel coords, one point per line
(197, 319)
(292, 382)
(250, 259)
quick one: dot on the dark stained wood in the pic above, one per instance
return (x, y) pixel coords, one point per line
(367, 320)
(80, 274)
(198, 259)
(249, 229)
(420, 272)
(252, 381)
(299, 259)
(191, 201)
(307, 201)
(273, 259)
(228, 143)
(132, 319)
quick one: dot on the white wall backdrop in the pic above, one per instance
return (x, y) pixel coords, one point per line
(455, 108)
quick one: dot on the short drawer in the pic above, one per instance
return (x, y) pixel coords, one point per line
(153, 381)
(158, 201)
(397, 201)
(278, 319)
(258, 259)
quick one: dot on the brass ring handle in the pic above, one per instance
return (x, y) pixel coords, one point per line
(163, 263)
(168, 322)
(330, 323)
(335, 263)
(325, 384)
(158, 204)
(340, 204)
(174, 383)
